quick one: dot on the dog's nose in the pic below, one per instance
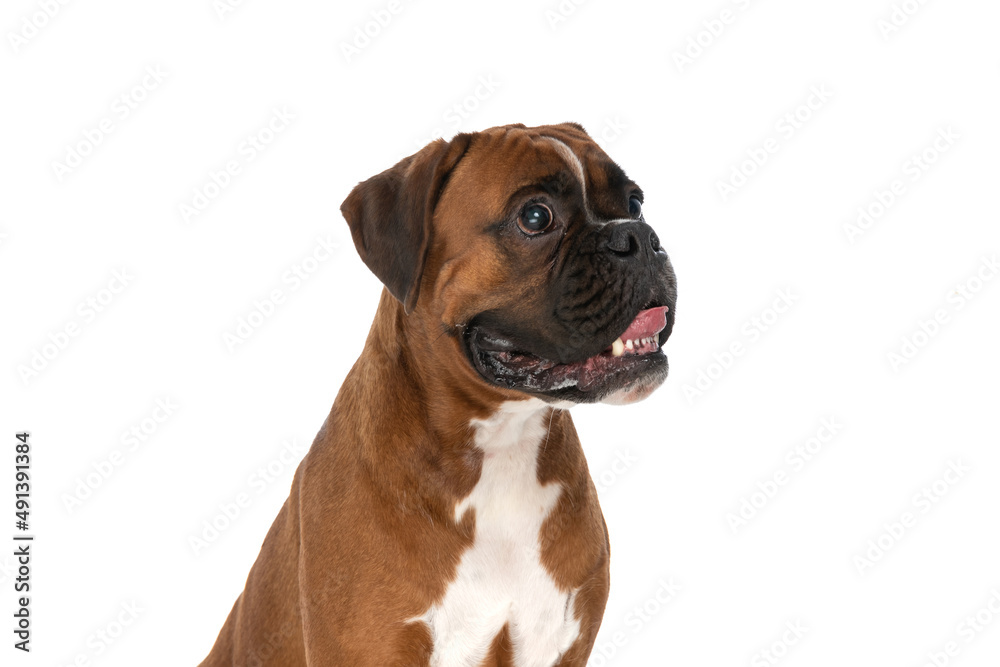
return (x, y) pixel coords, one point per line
(632, 239)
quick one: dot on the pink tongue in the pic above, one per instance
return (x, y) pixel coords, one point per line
(647, 323)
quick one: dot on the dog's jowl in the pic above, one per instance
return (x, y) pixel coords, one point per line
(445, 515)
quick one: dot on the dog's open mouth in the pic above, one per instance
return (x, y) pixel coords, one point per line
(634, 354)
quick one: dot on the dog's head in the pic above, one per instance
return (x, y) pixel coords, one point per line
(524, 256)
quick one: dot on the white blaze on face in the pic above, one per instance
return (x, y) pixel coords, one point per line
(500, 579)
(567, 154)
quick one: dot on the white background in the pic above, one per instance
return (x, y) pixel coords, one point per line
(679, 129)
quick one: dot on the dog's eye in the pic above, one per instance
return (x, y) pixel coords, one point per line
(634, 207)
(535, 218)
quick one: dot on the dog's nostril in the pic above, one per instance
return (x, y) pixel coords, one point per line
(631, 239)
(621, 241)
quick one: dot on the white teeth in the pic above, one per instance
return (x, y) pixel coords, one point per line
(617, 348)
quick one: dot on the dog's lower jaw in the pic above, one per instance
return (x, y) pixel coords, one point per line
(639, 390)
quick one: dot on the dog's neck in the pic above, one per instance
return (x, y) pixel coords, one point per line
(423, 355)
(436, 420)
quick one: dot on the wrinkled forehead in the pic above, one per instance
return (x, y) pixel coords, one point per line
(504, 164)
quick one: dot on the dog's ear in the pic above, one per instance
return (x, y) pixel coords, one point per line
(390, 215)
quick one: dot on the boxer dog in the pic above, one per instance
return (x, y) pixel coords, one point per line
(444, 515)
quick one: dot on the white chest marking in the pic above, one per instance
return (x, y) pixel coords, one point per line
(500, 579)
